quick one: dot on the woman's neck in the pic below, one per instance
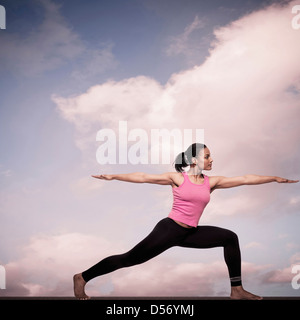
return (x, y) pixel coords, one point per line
(195, 171)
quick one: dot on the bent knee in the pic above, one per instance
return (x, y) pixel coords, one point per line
(232, 237)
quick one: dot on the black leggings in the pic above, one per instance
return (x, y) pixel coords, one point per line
(166, 234)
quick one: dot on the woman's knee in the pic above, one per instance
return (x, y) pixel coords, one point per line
(130, 259)
(232, 237)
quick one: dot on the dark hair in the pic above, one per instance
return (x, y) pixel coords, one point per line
(184, 159)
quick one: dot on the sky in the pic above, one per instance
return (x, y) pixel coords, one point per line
(72, 71)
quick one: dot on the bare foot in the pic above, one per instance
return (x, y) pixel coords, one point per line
(238, 293)
(79, 285)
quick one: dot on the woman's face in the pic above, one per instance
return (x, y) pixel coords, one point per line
(204, 160)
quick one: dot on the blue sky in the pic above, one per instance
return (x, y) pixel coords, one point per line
(70, 68)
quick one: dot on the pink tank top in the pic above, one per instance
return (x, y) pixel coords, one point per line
(190, 199)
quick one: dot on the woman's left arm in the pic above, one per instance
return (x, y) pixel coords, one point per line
(220, 182)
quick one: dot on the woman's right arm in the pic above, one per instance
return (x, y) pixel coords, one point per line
(139, 177)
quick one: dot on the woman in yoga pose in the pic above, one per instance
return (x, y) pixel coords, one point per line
(191, 193)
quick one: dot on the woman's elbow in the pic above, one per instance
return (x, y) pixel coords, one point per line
(141, 177)
(246, 179)
(251, 179)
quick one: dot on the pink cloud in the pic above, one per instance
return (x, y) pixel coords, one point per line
(47, 263)
(284, 275)
(245, 96)
(160, 278)
(279, 276)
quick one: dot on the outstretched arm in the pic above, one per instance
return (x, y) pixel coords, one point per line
(248, 179)
(139, 177)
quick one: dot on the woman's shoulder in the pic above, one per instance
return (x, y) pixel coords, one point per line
(176, 174)
(213, 180)
(176, 177)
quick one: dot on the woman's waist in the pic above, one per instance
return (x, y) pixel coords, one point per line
(184, 225)
(190, 220)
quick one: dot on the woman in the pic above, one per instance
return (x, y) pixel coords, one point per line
(191, 193)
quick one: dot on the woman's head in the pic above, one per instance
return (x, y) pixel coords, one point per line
(197, 154)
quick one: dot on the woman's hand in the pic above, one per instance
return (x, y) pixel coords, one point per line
(284, 180)
(104, 177)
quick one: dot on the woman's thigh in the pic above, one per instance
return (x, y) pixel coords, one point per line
(207, 237)
(165, 235)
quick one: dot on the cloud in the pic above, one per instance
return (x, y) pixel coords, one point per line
(141, 101)
(295, 200)
(241, 95)
(47, 263)
(85, 186)
(104, 104)
(279, 276)
(45, 48)
(4, 172)
(182, 44)
(165, 279)
(236, 95)
(292, 246)
(94, 62)
(253, 244)
(50, 45)
(284, 275)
